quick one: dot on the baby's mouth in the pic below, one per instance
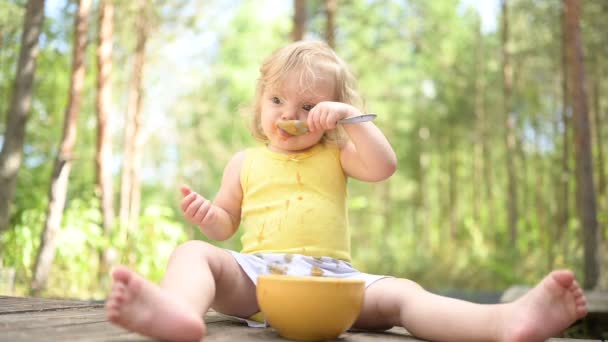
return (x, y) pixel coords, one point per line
(293, 127)
(284, 134)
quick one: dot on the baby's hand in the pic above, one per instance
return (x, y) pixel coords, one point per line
(325, 115)
(196, 208)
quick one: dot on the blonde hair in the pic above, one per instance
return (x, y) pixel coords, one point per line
(313, 60)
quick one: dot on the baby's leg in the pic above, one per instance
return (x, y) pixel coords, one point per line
(174, 310)
(550, 307)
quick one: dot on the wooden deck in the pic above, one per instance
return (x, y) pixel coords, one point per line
(36, 319)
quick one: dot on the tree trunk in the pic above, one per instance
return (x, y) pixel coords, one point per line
(564, 177)
(127, 159)
(130, 193)
(509, 132)
(299, 20)
(539, 194)
(585, 190)
(18, 112)
(422, 212)
(63, 162)
(387, 255)
(452, 185)
(479, 148)
(524, 170)
(331, 7)
(104, 145)
(597, 114)
(600, 154)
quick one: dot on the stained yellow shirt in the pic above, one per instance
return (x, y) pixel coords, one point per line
(295, 203)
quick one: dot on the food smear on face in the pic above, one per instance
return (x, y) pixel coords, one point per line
(293, 127)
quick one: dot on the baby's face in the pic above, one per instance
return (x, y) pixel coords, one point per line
(292, 101)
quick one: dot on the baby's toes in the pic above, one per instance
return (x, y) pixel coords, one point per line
(581, 306)
(574, 286)
(119, 294)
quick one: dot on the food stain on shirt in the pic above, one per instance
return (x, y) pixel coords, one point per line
(316, 271)
(261, 234)
(286, 215)
(277, 269)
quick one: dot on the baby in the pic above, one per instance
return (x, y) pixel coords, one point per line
(289, 198)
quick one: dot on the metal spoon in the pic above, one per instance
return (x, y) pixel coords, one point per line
(299, 127)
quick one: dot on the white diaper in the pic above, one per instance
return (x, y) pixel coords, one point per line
(259, 264)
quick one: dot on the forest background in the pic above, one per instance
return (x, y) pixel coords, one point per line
(497, 126)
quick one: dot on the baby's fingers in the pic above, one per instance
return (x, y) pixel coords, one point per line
(193, 208)
(316, 119)
(201, 212)
(331, 121)
(185, 190)
(187, 200)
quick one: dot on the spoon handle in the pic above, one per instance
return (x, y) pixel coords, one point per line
(358, 118)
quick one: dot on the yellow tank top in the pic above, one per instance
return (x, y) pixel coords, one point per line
(295, 203)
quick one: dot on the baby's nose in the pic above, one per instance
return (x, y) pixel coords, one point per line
(289, 115)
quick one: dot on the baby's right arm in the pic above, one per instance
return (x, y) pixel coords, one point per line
(220, 219)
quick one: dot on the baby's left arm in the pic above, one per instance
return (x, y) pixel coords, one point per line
(368, 156)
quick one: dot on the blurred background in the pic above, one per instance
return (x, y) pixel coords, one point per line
(497, 111)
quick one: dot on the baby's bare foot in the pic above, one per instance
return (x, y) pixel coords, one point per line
(546, 310)
(141, 306)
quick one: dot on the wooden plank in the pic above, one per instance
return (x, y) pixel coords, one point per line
(65, 320)
(24, 305)
(224, 328)
(71, 324)
(229, 332)
(570, 340)
(35, 319)
(50, 319)
(90, 324)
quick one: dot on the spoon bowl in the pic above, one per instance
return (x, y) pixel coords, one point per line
(293, 127)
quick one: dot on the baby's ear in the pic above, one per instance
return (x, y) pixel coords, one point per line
(185, 190)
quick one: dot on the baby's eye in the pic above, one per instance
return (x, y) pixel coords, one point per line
(308, 107)
(275, 100)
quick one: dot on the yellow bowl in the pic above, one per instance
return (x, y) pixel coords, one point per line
(310, 308)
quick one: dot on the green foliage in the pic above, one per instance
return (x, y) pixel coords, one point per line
(79, 242)
(10, 15)
(148, 248)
